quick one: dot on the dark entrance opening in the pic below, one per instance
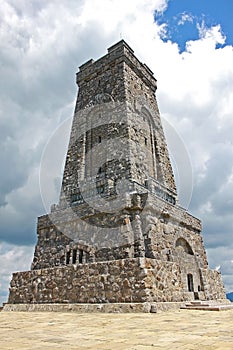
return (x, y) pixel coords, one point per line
(190, 282)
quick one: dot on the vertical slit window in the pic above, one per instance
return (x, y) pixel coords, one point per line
(80, 259)
(67, 258)
(74, 256)
(190, 282)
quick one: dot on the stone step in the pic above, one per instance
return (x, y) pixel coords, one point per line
(208, 307)
(199, 302)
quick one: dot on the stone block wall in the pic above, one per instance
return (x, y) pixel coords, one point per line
(213, 285)
(159, 225)
(119, 281)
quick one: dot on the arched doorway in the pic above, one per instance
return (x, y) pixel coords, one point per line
(190, 271)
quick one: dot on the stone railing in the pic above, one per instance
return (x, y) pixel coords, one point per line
(104, 187)
(161, 191)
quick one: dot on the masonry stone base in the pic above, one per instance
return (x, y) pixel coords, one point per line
(127, 281)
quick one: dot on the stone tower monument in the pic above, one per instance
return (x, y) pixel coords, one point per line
(117, 235)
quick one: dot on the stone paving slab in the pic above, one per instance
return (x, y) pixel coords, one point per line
(180, 329)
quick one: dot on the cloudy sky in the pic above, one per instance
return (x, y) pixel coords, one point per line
(189, 47)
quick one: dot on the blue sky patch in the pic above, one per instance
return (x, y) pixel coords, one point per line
(182, 18)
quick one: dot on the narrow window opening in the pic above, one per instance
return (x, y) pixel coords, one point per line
(145, 139)
(74, 256)
(190, 282)
(100, 189)
(100, 139)
(67, 258)
(62, 260)
(80, 258)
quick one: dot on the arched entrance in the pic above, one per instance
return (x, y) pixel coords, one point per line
(190, 272)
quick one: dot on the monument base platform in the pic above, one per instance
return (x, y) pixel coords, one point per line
(136, 281)
(146, 307)
(213, 305)
(95, 308)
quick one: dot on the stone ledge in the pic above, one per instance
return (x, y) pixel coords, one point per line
(95, 308)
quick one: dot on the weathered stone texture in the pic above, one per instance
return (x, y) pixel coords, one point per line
(129, 280)
(117, 234)
(125, 280)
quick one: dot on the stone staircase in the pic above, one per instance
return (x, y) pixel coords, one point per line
(208, 306)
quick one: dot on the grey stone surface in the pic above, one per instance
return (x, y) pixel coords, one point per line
(117, 234)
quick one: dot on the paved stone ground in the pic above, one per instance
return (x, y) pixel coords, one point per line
(182, 329)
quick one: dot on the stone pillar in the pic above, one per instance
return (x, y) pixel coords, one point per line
(84, 257)
(91, 256)
(139, 245)
(127, 231)
(127, 239)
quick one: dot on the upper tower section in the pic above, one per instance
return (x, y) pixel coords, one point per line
(108, 75)
(117, 133)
